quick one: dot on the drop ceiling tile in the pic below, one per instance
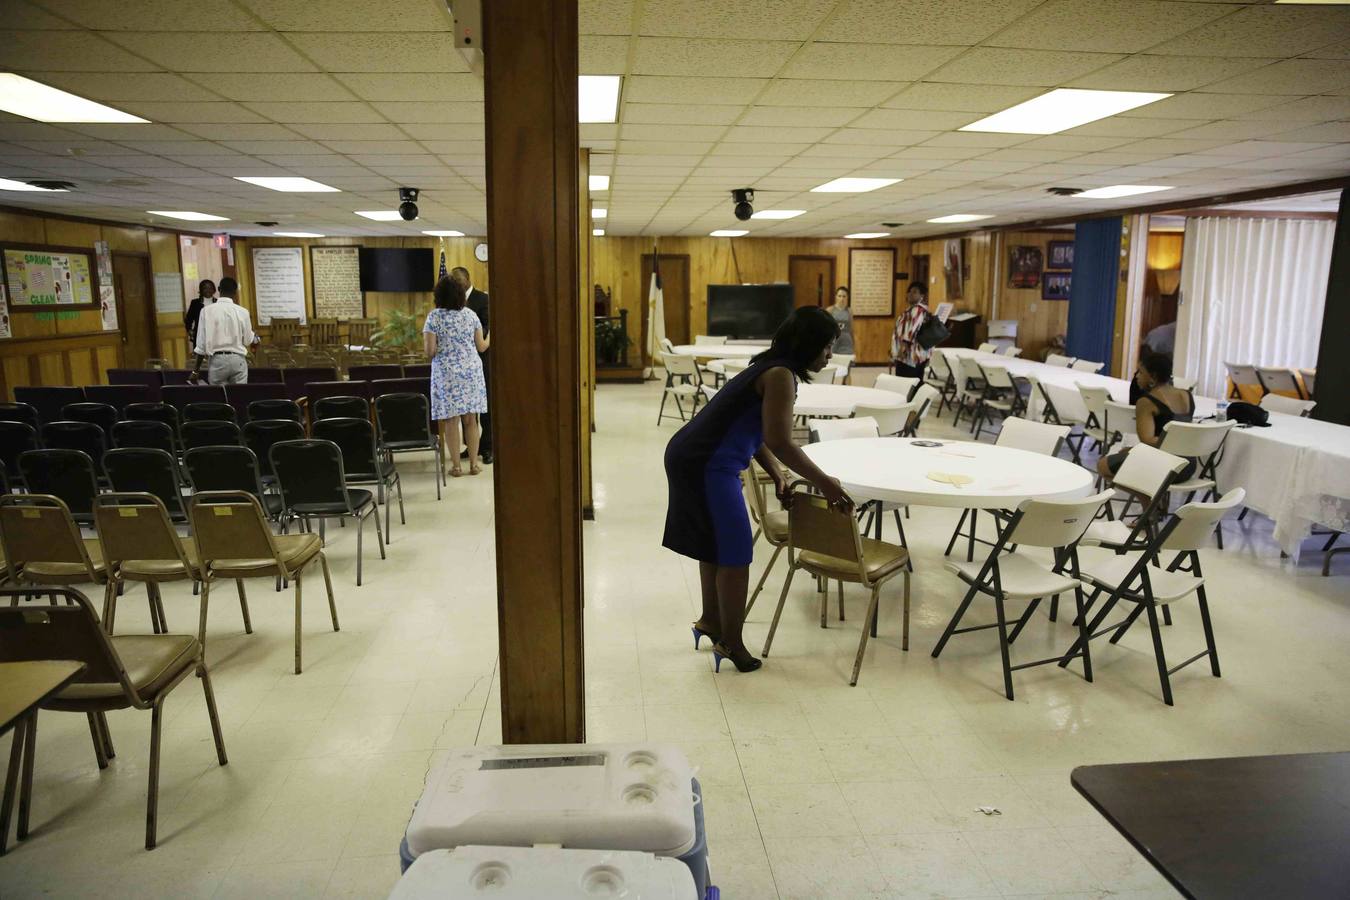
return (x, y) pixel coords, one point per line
(921, 119)
(1152, 72)
(763, 20)
(85, 147)
(589, 133)
(278, 148)
(658, 147)
(1105, 26)
(1327, 131)
(983, 98)
(429, 112)
(1029, 155)
(241, 132)
(763, 133)
(1306, 109)
(22, 15)
(1227, 130)
(175, 148)
(976, 139)
(893, 138)
(670, 134)
(654, 161)
(753, 148)
(66, 51)
(1169, 146)
(263, 88)
(382, 52)
(831, 157)
(605, 16)
(939, 152)
(1340, 50)
(350, 132)
(1290, 76)
(678, 114)
(602, 55)
(1195, 105)
(183, 51)
(821, 92)
(374, 149)
(1281, 31)
(709, 57)
(328, 164)
(464, 131)
(121, 87)
(180, 113)
(953, 22)
(343, 15)
(442, 86)
(790, 116)
(1118, 126)
(128, 132)
(981, 65)
(299, 112)
(664, 89)
(855, 62)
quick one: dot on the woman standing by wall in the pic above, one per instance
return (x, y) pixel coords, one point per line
(844, 319)
(453, 337)
(907, 353)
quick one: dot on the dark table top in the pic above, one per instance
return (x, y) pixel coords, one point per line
(24, 685)
(1249, 826)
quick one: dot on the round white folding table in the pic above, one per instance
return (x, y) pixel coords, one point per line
(841, 399)
(719, 351)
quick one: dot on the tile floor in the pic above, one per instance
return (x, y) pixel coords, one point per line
(813, 789)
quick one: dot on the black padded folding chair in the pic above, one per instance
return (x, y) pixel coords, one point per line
(403, 422)
(363, 461)
(313, 485)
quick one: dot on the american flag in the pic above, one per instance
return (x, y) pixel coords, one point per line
(443, 269)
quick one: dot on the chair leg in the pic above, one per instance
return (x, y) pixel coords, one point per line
(767, 569)
(152, 794)
(299, 576)
(12, 780)
(210, 696)
(1083, 633)
(379, 535)
(201, 614)
(782, 598)
(440, 471)
(956, 620)
(956, 532)
(1209, 631)
(360, 528)
(402, 517)
(841, 601)
(100, 753)
(1003, 645)
(866, 627)
(823, 585)
(159, 606)
(904, 633)
(662, 411)
(243, 605)
(109, 592)
(328, 585)
(1151, 609)
(26, 779)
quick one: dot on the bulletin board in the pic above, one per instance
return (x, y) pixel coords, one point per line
(335, 273)
(871, 281)
(44, 279)
(279, 283)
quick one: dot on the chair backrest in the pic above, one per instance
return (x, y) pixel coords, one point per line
(897, 384)
(1086, 365)
(969, 372)
(211, 433)
(229, 525)
(1241, 374)
(667, 346)
(66, 629)
(890, 420)
(100, 414)
(176, 377)
(20, 412)
(154, 412)
(940, 364)
(1195, 440)
(48, 401)
(119, 395)
(143, 433)
(135, 525)
(1095, 399)
(403, 418)
(360, 330)
(1287, 405)
(40, 528)
(926, 396)
(355, 440)
(996, 376)
(417, 370)
(371, 373)
(83, 436)
(1035, 437)
(710, 339)
(988, 347)
(1147, 470)
(15, 438)
(259, 375)
(1053, 523)
(323, 332)
(816, 527)
(1274, 378)
(841, 429)
(223, 468)
(260, 435)
(1058, 359)
(679, 365)
(340, 407)
(734, 367)
(68, 474)
(275, 409)
(1010, 350)
(318, 390)
(141, 470)
(284, 331)
(1120, 420)
(150, 379)
(1309, 377)
(411, 384)
(309, 471)
(299, 376)
(827, 375)
(1194, 524)
(180, 395)
(843, 361)
(240, 396)
(1184, 383)
(208, 412)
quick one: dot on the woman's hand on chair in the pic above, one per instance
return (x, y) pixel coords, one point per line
(834, 494)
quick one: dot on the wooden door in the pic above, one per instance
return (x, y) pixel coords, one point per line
(812, 279)
(674, 294)
(919, 265)
(135, 308)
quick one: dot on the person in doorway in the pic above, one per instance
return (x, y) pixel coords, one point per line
(455, 340)
(1159, 403)
(750, 417)
(206, 294)
(907, 353)
(1162, 339)
(478, 301)
(844, 319)
(224, 337)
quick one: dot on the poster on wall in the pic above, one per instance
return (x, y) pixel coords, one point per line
(1056, 285)
(1061, 255)
(107, 307)
(336, 274)
(953, 265)
(279, 283)
(871, 281)
(47, 277)
(169, 294)
(1024, 267)
(4, 315)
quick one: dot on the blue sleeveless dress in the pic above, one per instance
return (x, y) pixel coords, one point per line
(706, 518)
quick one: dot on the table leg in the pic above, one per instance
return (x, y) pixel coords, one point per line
(11, 780)
(26, 788)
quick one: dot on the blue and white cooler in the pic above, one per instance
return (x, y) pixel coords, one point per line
(616, 797)
(531, 873)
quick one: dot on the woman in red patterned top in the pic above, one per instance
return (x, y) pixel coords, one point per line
(907, 354)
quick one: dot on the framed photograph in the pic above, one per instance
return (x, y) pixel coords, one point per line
(1061, 255)
(1056, 286)
(1024, 267)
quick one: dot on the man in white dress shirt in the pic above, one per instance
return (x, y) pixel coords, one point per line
(224, 335)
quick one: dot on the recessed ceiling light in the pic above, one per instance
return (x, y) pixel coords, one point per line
(446, 233)
(34, 100)
(296, 234)
(8, 184)
(599, 212)
(380, 215)
(728, 232)
(598, 182)
(853, 185)
(598, 232)
(864, 235)
(289, 184)
(1121, 190)
(958, 217)
(187, 215)
(598, 98)
(1060, 109)
(778, 214)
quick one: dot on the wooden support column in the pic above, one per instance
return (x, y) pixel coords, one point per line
(530, 85)
(586, 324)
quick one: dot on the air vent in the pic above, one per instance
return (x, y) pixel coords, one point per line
(1064, 191)
(892, 224)
(47, 185)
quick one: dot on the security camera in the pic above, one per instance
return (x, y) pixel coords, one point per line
(407, 203)
(744, 198)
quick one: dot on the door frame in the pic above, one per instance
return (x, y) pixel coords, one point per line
(689, 301)
(151, 316)
(834, 269)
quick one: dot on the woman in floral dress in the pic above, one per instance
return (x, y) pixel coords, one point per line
(454, 337)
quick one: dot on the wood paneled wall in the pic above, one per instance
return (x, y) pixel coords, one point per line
(1037, 320)
(977, 272)
(72, 349)
(617, 265)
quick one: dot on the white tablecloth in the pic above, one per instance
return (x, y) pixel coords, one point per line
(841, 399)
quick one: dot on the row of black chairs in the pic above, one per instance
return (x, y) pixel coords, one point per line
(298, 375)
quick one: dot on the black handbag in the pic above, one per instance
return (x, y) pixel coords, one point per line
(932, 332)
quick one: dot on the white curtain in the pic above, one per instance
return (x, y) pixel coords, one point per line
(1252, 292)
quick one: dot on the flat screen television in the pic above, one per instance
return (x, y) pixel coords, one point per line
(748, 311)
(398, 269)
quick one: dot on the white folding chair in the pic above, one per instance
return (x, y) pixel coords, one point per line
(1012, 575)
(1202, 442)
(969, 389)
(1051, 415)
(713, 340)
(988, 347)
(841, 429)
(1242, 376)
(1059, 359)
(1183, 383)
(892, 421)
(1287, 405)
(1309, 377)
(1086, 365)
(827, 375)
(1140, 578)
(1000, 396)
(844, 362)
(1145, 476)
(940, 375)
(897, 384)
(683, 380)
(1010, 350)
(733, 367)
(1095, 399)
(925, 396)
(667, 346)
(1119, 425)
(1274, 380)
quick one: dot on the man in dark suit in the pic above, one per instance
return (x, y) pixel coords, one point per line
(206, 293)
(479, 303)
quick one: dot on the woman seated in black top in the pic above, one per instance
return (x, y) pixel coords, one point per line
(1159, 402)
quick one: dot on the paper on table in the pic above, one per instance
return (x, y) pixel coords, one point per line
(956, 479)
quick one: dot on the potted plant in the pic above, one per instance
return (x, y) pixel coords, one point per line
(400, 331)
(611, 341)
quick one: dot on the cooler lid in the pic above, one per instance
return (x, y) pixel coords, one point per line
(529, 873)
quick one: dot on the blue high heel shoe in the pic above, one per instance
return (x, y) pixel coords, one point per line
(720, 653)
(699, 634)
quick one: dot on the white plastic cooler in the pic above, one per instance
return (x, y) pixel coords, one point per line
(530, 873)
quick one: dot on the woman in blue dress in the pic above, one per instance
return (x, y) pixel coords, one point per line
(454, 337)
(750, 417)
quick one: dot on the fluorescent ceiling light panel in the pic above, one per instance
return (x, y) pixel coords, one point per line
(1110, 192)
(728, 232)
(598, 98)
(380, 215)
(854, 185)
(1061, 109)
(8, 184)
(598, 182)
(297, 234)
(186, 215)
(446, 233)
(864, 235)
(34, 100)
(778, 214)
(598, 232)
(599, 212)
(290, 184)
(956, 218)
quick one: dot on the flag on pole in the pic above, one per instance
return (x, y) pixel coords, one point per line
(443, 271)
(656, 315)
